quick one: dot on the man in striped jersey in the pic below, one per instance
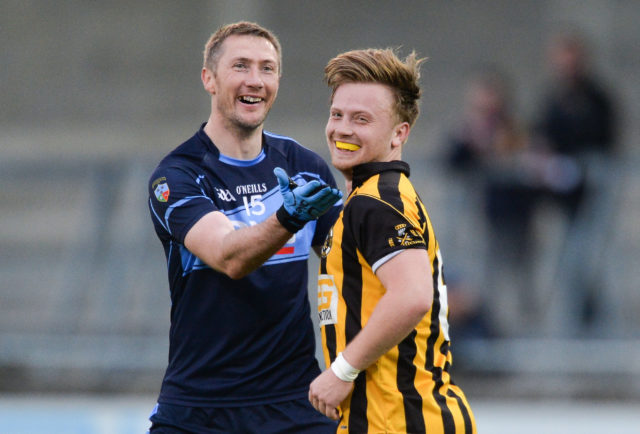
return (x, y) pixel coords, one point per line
(382, 297)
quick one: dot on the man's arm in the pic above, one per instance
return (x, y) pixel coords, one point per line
(237, 253)
(407, 300)
(408, 297)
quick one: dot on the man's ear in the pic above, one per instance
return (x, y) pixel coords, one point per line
(400, 134)
(208, 81)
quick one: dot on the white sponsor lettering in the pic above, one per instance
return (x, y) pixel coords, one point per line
(327, 300)
(251, 188)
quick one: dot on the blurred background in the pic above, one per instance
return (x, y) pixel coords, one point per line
(526, 154)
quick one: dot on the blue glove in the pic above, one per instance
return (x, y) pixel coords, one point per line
(303, 203)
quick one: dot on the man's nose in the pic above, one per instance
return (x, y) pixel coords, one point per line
(342, 129)
(254, 79)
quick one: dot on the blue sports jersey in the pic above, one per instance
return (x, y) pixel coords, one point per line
(247, 341)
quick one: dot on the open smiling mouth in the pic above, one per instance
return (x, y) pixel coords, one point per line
(249, 99)
(347, 146)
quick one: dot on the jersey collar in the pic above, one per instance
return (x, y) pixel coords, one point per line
(364, 171)
(204, 138)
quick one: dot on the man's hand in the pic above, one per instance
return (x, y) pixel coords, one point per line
(326, 393)
(304, 203)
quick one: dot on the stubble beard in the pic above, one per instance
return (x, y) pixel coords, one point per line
(242, 127)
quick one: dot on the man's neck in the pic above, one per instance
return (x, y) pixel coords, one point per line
(348, 180)
(234, 143)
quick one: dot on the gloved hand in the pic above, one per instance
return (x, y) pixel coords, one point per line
(303, 203)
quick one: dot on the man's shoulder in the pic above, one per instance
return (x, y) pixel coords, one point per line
(183, 159)
(287, 145)
(379, 192)
(191, 150)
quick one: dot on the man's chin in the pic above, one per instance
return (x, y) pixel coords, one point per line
(342, 165)
(249, 126)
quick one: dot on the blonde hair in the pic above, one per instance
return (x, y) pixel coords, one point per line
(212, 49)
(382, 66)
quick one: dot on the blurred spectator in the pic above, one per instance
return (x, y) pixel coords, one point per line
(467, 317)
(489, 148)
(576, 136)
(576, 121)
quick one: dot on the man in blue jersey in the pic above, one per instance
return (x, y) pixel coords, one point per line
(237, 210)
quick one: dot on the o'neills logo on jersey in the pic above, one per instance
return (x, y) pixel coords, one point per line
(161, 189)
(251, 188)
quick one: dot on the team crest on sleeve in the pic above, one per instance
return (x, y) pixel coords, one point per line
(326, 248)
(405, 236)
(161, 189)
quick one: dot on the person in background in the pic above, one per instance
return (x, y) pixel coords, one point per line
(576, 136)
(237, 232)
(382, 296)
(576, 121)
(490, 151)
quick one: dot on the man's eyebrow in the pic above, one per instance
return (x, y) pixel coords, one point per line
(251, 59)
(355, 112)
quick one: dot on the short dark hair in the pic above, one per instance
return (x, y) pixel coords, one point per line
(212, 47)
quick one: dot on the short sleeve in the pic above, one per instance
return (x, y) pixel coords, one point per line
(380, 230)
(176, 202)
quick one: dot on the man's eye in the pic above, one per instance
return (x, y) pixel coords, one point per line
(335, 115)
(269, 68)
(239, 65)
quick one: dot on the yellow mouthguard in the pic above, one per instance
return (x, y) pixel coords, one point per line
(347, 146)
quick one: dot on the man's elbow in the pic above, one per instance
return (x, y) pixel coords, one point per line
(421, 305)
(235, 271)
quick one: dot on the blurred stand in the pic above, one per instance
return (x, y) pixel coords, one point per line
(84, 299)
(94, 93)
(560, 176)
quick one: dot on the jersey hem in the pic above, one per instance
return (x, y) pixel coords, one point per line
(235, 402)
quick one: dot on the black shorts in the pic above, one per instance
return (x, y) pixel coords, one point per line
(297, 416)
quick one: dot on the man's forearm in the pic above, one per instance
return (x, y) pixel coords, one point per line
(246, 249)
(394, 317)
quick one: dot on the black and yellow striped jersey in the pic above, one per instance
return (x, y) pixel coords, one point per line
(409, 389)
